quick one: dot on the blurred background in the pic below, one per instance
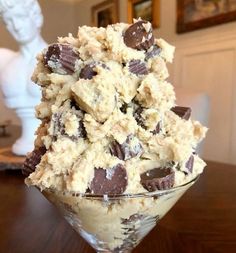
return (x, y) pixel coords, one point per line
(204, 69)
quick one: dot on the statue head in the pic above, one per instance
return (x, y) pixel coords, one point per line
(23, 19)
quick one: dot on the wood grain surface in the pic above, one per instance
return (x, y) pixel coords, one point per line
(8, 160)
(204, 220)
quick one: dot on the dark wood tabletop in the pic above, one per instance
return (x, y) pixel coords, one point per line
(204, 219)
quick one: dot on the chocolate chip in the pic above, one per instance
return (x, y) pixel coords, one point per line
(112, 182)
(137, 37)
(182, 112)
(158, 179)
(157, 129)
(189, 164)
(138, 67)
(32, 160)
(127, 150)
(61, 58)
(137, 113)
(124, 108)
(152, 52)
(88, 72)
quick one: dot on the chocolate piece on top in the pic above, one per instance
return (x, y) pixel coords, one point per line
(152, 52)
(158, 179)
(189, 164)
(61, 58)
(138, 67)
(114, 182)
(182, 112)
(139, 36)
(32, 160)
(127, 150)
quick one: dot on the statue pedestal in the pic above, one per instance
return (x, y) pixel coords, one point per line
(29, 124)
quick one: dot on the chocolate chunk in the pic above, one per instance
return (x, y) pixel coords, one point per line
(32, 160)
(61, 58)
(138, 67)
(109, 182)
(127, 150)
(137, 36)
(152, 52)
(137, 113)
(189, 164)
(158, 179)
(124, 108)
(182, 112)
(157, 129)
(88, 72)
(59, 127)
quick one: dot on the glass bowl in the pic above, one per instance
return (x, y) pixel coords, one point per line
(115, 223)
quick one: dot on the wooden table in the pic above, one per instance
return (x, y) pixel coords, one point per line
(204, 220)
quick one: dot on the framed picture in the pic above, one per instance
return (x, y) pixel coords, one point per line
(105, 13)
(197, 14)
(146, 9)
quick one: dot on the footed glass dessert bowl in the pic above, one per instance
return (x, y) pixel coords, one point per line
(115, 223)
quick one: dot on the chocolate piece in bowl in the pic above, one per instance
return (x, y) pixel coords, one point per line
(127, 150)
(139, 36)
(158, 179)
(109, 181)
(61, 58)
(182, 112)
(138, 67)
(32, 160)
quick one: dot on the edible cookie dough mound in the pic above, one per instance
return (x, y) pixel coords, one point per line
(110, 124)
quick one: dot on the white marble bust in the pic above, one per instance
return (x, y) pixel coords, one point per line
(23, 19)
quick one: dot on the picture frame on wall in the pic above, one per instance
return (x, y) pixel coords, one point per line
(105, 13)
(146, 9)
(198, 14)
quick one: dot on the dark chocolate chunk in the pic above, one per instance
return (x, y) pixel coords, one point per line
(127, 150)
(61, 58)
(32, 160)
(137, 113)
(189, 164)
(157, 129)
(88, 72)
(110, 181)
(158, 179)
(59, 127)
(138, 67)
(124, 108)
(137, 37)
(152, 52)
(182, 112)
